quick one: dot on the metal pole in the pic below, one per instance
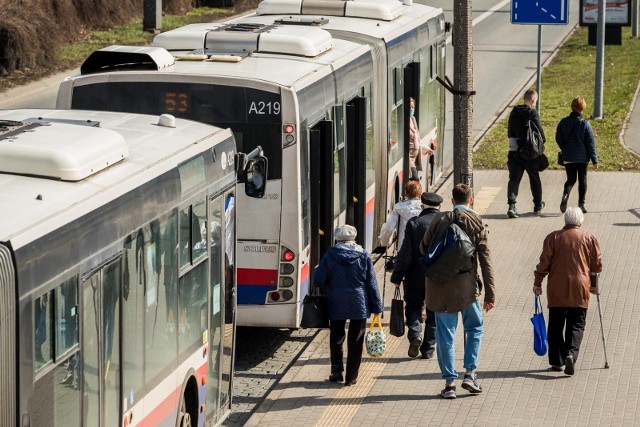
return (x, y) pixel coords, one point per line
(599, 89)
(634, 19)
(152, 15)
(539, 80)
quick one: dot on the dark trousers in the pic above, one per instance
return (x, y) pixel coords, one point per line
(414, 302)
(564, 333)
(355, 342)
(579, 171)
(517, 167)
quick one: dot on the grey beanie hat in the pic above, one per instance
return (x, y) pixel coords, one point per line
(345, 232)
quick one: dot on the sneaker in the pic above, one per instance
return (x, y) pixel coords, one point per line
(538, 209)
(68, 379)
(427, 354)
(557, 368)
(569, 366)
(582, 208)
(414, 347)
(512, 212)
(449, 392)
(470, 384)
(563, 202)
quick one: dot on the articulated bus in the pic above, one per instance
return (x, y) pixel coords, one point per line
(323, 87)
(116, 240)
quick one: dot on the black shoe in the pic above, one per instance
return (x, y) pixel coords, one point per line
(427, 354)
(563, 202)
(352, 382)
(569, 366)
(539, 208)
(414, 347)
(336, 378)
(582, 208)
(557, 368)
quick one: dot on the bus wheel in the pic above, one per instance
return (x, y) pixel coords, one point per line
(184, 417)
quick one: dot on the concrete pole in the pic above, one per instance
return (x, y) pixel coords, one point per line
(462, 40)
(599, 89)
(152, 15)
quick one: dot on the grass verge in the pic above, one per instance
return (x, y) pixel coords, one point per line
(572, 73)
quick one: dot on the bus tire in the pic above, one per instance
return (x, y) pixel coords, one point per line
(187, 412)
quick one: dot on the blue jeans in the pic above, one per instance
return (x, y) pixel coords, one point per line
(446, 326)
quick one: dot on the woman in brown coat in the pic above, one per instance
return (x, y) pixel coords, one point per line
(569, 257)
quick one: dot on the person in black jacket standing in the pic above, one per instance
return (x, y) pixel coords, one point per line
(407, 266)
(518, 119)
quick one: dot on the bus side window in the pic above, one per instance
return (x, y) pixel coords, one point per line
(66, 316)
(43, 351)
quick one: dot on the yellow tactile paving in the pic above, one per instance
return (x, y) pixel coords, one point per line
(350, 398)
(484, 197)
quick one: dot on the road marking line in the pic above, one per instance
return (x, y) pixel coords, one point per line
(485, 15)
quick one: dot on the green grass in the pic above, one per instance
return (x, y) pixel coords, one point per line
(132, 33)
(572, 73)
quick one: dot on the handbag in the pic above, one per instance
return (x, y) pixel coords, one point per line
(544, 163)
(396, 322)
(539, 329)
(375, 340)
(315, 311)
(560, 159)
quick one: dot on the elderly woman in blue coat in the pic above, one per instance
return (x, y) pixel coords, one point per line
(346, 272)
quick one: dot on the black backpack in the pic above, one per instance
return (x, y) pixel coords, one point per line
(451, 254)
(530, 144)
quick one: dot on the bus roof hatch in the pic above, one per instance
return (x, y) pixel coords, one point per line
(245, 38)
(126, 58)
(58, 149)
(384, 10)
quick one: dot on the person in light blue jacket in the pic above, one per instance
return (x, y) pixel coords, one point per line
(346, 272)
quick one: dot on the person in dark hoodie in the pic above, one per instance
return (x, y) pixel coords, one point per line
(460, 295)
(407, 266)
(517, 166)
(346, 272)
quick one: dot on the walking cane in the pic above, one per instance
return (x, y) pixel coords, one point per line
(594, 278)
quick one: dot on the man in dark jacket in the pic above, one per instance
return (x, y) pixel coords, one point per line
(518, 119)
(461, 294)
(407, 266)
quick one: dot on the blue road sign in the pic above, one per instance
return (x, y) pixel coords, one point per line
(540, 12)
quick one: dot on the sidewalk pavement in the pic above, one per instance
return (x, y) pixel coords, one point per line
(518, 387)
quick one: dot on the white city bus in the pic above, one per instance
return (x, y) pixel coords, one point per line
(116, 299)
(323, 88)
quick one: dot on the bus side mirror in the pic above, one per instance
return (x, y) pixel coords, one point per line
(255, 177)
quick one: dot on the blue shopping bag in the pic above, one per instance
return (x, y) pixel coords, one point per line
(539, 329)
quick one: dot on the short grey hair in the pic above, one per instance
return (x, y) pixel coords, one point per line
(573, 216)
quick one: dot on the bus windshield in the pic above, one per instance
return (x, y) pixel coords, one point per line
(253, 115)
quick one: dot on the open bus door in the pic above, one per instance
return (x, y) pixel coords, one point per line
(412, 90)
(356, 167)
(321, 189)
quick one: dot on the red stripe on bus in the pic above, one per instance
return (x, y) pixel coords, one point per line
(304, 272)
(169, 405)
(370, 205)
(257, 276)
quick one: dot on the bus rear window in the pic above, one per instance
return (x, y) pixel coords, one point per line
(253, 115)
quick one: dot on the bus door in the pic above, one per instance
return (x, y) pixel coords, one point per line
(222, 305)
(356, 167)
(321, 189)
(412, 90)
(101, 345)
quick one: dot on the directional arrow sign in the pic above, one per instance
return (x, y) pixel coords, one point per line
(540, 12)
